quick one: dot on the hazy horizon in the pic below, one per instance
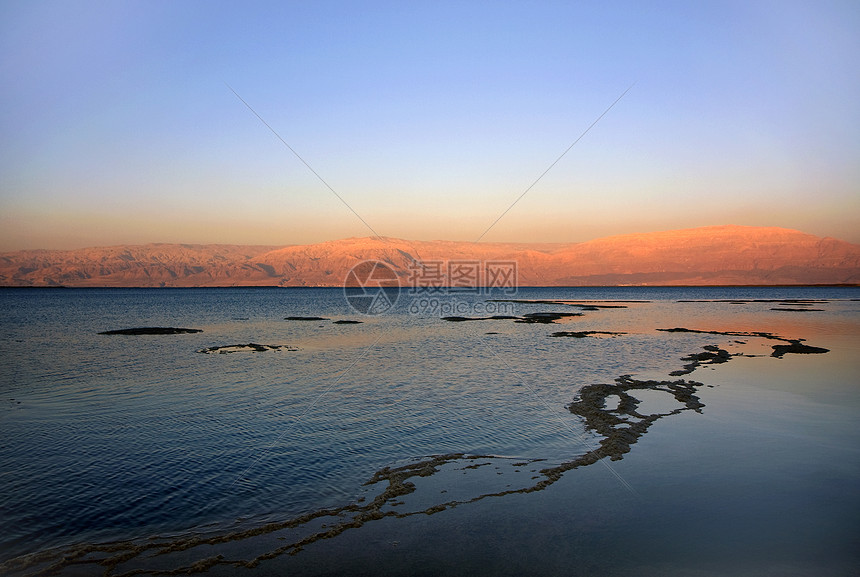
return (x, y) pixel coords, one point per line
(384, 238)
(121, 126)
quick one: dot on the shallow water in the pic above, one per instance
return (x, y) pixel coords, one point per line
(108, 438)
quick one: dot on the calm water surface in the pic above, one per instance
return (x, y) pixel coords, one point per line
(108, 438)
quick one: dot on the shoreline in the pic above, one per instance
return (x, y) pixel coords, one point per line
(621, 427)
(482, 288)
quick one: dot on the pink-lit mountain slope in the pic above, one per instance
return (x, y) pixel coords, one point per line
(722, 255)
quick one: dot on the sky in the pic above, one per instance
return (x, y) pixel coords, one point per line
(120, 121)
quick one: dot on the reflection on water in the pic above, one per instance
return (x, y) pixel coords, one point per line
(120, 437)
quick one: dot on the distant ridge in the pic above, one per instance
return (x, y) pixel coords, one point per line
(716, 255)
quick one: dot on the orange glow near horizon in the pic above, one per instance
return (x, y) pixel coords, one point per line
(424, 140)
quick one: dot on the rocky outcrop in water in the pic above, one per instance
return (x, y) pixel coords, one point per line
(249, 347)
(151, 331)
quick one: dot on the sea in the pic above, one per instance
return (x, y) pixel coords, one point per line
(294, 434)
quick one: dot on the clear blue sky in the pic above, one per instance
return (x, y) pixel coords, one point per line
(428, 118)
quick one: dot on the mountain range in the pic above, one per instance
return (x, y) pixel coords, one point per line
(717, 255)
